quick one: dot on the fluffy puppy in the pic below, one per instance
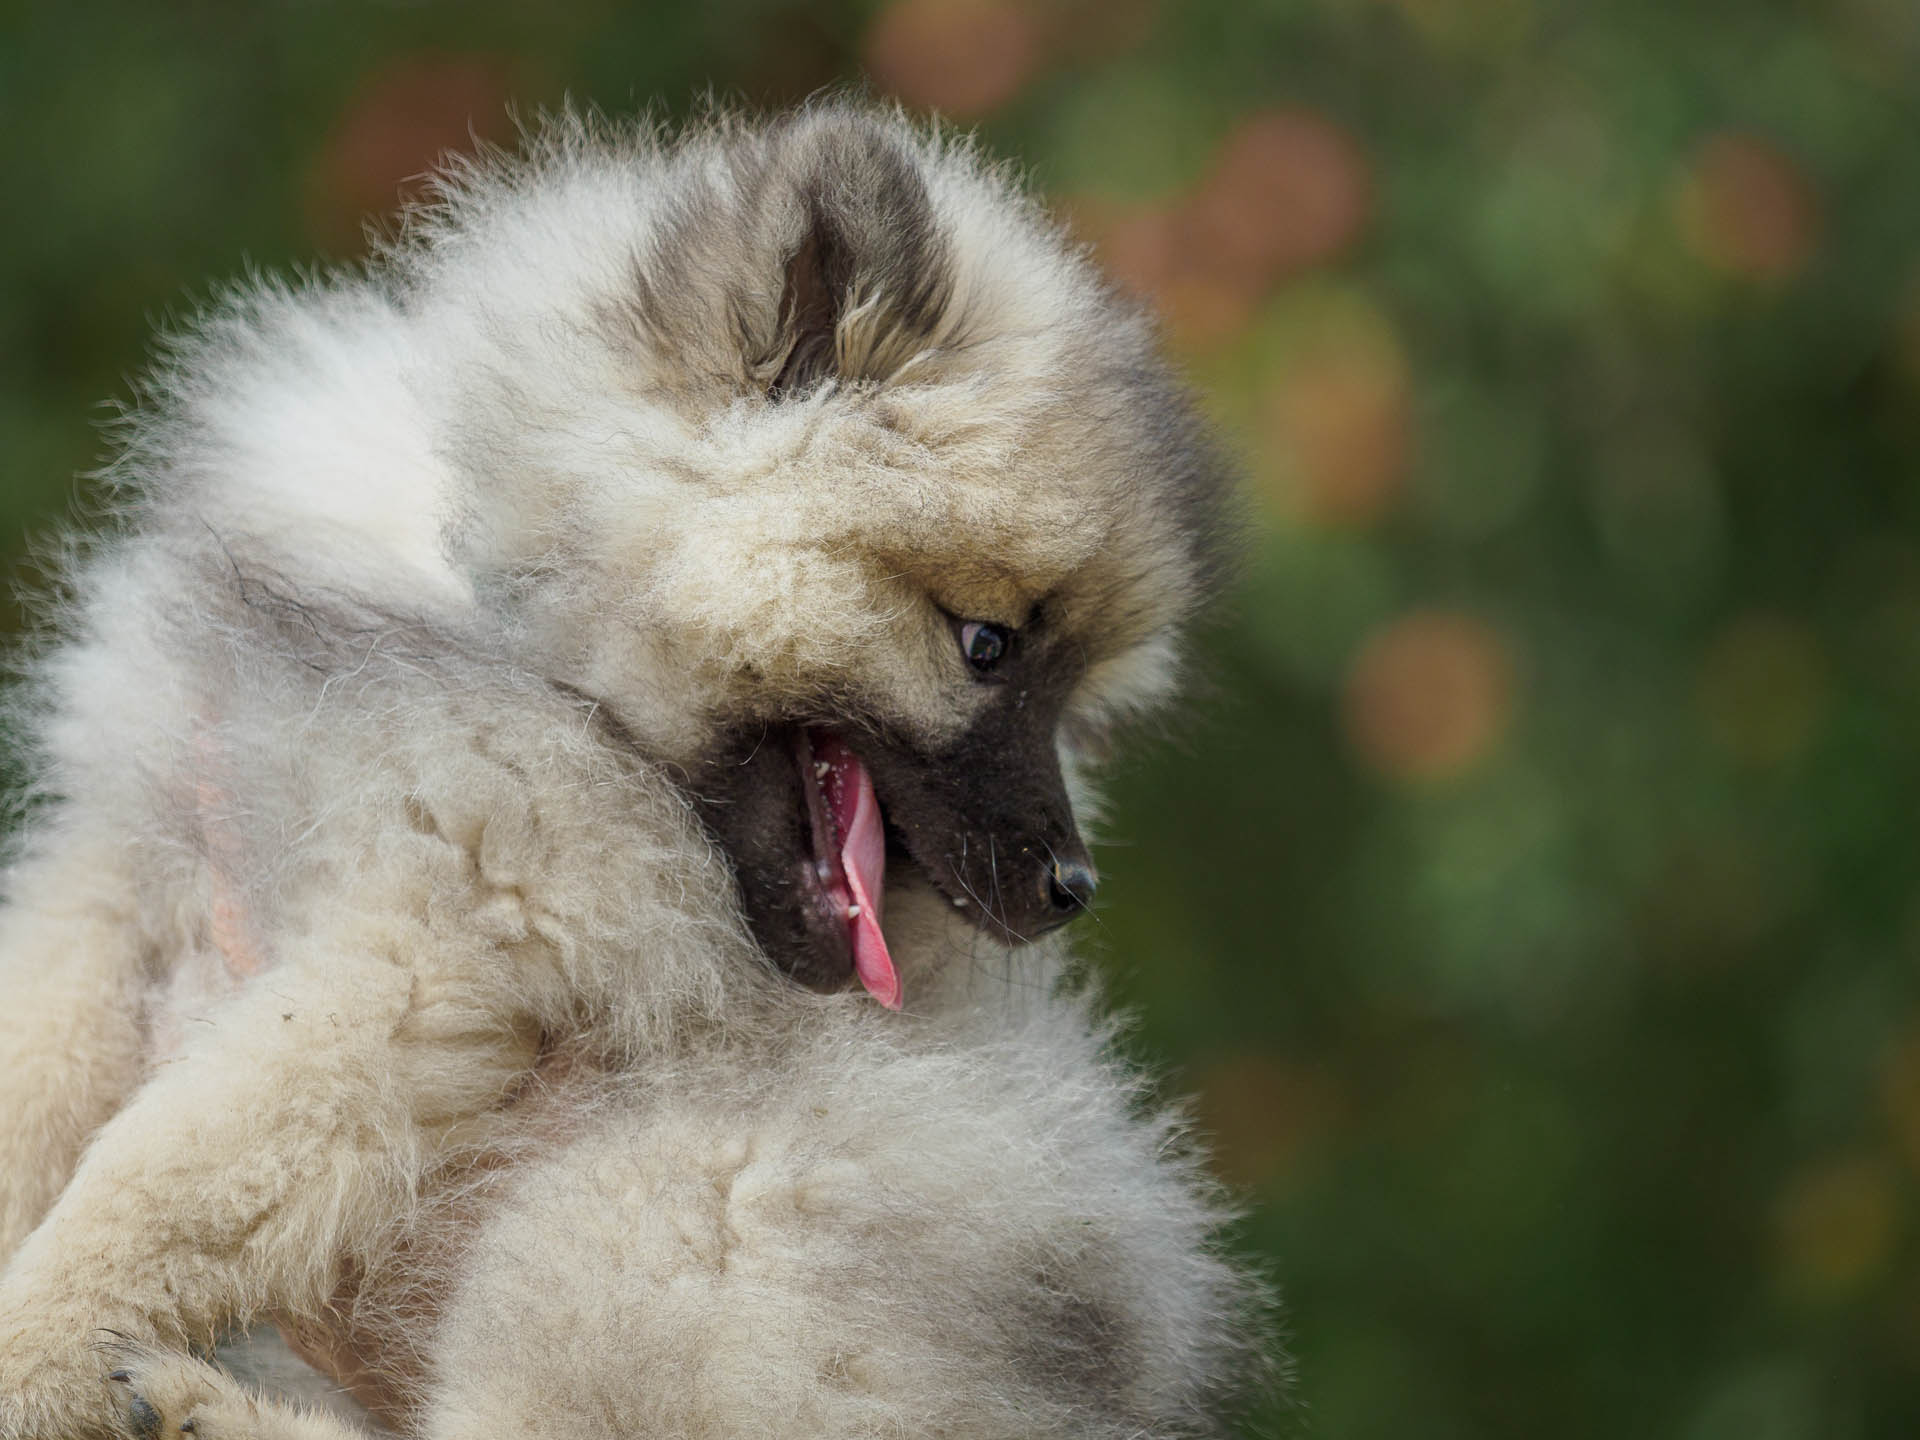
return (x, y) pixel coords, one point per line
(853, 1233)
(670, 576)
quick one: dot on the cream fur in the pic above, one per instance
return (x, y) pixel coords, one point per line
(953, 1228)
(362, 757)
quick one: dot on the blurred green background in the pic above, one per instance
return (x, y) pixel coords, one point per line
(1531, 902)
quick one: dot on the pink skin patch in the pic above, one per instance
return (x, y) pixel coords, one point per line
(231, 936)
(858, 844)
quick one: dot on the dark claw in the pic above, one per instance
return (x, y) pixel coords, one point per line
(143, 1418)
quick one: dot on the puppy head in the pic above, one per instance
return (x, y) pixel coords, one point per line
(816, 454)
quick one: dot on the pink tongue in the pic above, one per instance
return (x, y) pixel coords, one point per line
(863, 855)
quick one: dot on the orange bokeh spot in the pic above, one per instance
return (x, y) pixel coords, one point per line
(1336, 424)
(1428, 696)
(1147, 252)
(1347, 429)
(400, 124)
(1140, 248)
(965, 58)
(1747, 209)
(1289, 189)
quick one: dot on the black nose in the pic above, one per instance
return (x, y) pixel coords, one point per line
(1070, 885)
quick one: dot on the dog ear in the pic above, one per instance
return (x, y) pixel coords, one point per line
(866, 282)
(819, 276)
(830, 212)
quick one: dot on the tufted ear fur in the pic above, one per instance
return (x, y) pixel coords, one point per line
(806, 254)
(867, 280)
(819, 275)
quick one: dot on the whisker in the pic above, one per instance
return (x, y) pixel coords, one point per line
(764, 730)
(973, 895)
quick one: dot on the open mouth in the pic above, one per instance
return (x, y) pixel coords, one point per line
(798, 815)
(849, 853)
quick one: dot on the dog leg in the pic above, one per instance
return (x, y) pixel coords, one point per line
(164, 1395)
(71, 1047)
(286, 1137)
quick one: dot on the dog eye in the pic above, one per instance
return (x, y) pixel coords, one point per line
(983, 644)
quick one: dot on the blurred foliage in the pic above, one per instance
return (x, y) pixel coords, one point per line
(1532, 903)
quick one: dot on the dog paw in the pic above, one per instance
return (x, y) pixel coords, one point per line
(48, 1391)
(161, 1396)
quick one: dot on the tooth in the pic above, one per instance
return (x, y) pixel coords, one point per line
(853, 912)
(820, 768)
(959, 904)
